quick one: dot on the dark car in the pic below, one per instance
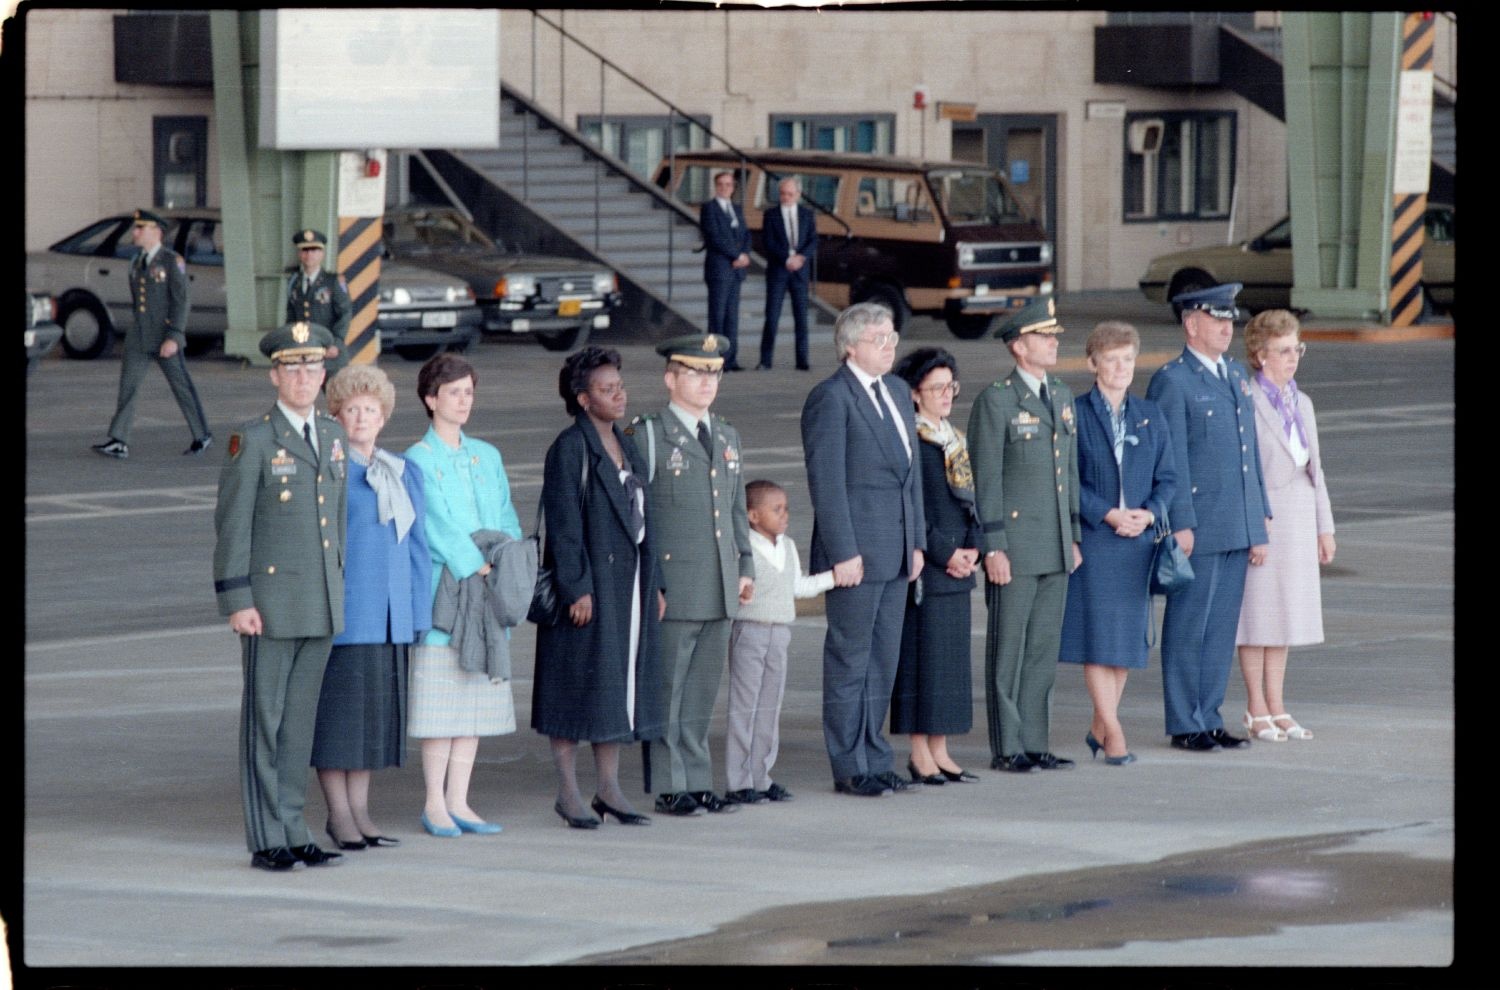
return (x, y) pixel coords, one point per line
(42, 333)
(558, 300)
(419, 312)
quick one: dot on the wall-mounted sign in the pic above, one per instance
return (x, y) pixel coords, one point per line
(965, 112)
(1104, 109)
(1413, 162)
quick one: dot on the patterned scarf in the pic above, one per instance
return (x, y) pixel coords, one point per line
(955, 456)
(1284, 401)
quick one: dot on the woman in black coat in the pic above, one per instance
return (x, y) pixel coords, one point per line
(933, 698)
(596, 670)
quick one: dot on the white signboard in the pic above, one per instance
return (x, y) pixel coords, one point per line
(333, 79)
(1413, 162)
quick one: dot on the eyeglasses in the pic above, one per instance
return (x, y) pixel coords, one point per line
(882, 339)
(694, 374)
(951, 388)
(1286, 352)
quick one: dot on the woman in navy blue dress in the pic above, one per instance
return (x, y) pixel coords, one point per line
(361, 722)
(1126, 480)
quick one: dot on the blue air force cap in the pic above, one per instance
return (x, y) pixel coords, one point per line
(1216, 300)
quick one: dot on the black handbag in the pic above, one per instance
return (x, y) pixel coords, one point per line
(1170, 568)
(546, 609)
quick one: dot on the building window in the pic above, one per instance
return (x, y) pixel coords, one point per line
(1179, 166)
(641, 141)
(872, 132)
(180, 161)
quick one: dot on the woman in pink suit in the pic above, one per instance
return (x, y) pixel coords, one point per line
(1283, 605)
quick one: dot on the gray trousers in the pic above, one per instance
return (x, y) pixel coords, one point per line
(757, 683)
(1020, 659)
(692, 660)
(283, 679)
(133, 369)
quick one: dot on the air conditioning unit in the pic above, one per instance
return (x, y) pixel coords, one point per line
(1146, 134)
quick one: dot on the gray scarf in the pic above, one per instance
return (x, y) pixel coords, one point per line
(383, 472)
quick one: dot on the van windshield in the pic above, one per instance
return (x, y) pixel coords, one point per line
(974, 197)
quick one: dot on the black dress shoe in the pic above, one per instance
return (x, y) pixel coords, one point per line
(734, 367)
(803, 367)
(198, 446)
(1019, 763)
(361, 844)
(1197, 742)
(893, 780)
(1050, 761)
(376, 841)
(276, 860)
(1227, 741)
(762, 367)
(918, 777)
(587, 821)
(746, 795)
(313, 856)
(713, 803)
(778, 793)
(112, 448)
(681, 804)
(623, 817)
(958, 776)
(862, 785)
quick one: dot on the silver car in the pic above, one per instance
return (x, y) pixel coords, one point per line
(420, 312)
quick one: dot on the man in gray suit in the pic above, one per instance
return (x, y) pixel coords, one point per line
(858, 438)
(158, 332)
(1023, 445)
(702, 538)
(278, 575)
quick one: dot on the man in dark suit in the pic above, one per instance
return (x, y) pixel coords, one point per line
(791, 237)
(279, 577)
(858, 437)
(726, 256)
(1218, 514)
(159, 303)
(316, 296)
(1023, 444)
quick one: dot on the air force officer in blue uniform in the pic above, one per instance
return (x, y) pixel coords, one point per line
(1218, 514)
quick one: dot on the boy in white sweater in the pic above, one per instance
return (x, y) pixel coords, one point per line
(757, 648)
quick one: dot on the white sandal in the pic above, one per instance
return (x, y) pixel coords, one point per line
(1293, 731)
(1272, 732)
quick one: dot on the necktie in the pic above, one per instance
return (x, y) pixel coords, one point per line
(729, 212)
(308, 436)
(889, 420)
(791, 228)
(1221, 371)
(1046, 399)
(703, 438)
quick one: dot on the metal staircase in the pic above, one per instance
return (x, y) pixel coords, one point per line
(547, 189)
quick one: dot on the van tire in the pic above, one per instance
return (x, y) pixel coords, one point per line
(563, 340)
(970, 327)
(891, 298)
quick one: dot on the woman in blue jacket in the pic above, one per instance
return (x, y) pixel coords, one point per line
(361, 722)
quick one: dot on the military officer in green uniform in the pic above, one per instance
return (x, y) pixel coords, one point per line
(316, 296)
(158, 332)
(1024, 453)
(702, 537)
(279, 576)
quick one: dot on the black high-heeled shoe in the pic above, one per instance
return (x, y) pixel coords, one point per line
(624, 817)
(918, 777)
(1094, 745)
(377, 841)
(574, 822)
(328, 827)
(959, 776)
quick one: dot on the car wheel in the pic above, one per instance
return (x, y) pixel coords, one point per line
(564, 340)
(970, 327)
(891, 298)
(87, 330)
(417, 352)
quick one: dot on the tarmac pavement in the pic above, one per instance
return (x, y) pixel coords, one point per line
(133, 852)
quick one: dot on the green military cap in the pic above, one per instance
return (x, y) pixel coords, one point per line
(143, 217)
(1036, 317)
(703, 352)
(297, 343)
(309, 238)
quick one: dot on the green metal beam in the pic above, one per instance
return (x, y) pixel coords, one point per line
(1340, 81)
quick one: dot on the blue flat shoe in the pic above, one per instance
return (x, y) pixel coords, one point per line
(442, 832)
(478, 828)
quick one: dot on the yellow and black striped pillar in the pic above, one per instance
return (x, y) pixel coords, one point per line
(359, 264)
(1408, 225)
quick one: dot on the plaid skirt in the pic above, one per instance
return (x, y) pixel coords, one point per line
(446, 701)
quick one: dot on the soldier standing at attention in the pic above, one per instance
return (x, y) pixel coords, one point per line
(702, 537)
(316, 296)
(159, 302)
(1023, 445)
(278, 575)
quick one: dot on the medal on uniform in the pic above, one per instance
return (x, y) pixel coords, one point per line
(1067, 414)
(336, 453)
(322, 296)
(675, 461)
(158, 273)
(283, 464)
(1245, 388)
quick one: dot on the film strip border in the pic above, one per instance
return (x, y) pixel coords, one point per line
(359, 264)
(1410, 213)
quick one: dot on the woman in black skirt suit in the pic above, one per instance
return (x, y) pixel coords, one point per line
(596, 670)
(932, 698)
